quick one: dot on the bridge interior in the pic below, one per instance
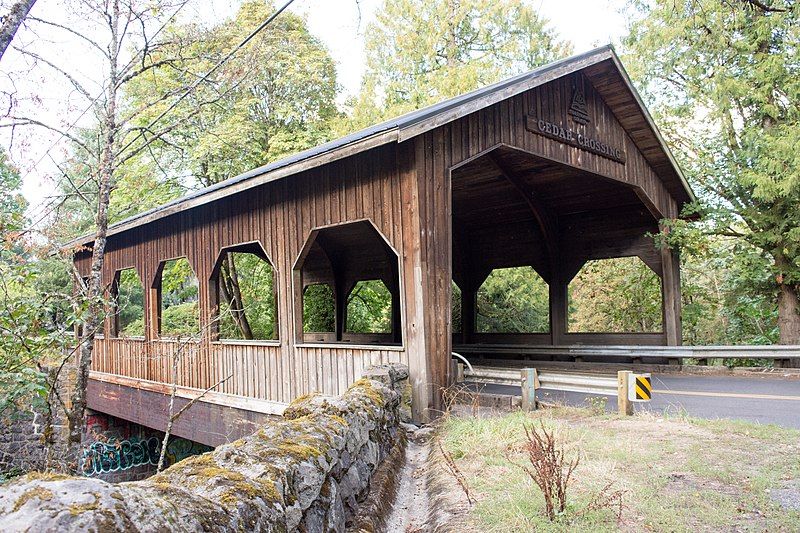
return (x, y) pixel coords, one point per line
(513, 209)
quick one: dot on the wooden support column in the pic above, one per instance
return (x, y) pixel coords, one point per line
(397, 319)
(558, 308)
(671, 301)
(340, 290)
(153, 319)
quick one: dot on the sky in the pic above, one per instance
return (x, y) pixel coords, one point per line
(340, 24)
(587, 23)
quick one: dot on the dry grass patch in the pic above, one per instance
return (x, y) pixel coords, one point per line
(677, 473)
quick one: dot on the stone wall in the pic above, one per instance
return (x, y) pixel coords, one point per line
(22, 443)
(34, 438)
(307, 472)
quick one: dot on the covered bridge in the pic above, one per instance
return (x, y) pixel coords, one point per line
(548, 169)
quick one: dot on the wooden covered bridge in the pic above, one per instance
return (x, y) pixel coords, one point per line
(548, 169)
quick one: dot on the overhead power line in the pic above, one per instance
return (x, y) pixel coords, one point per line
(205, 76)
(47, 208)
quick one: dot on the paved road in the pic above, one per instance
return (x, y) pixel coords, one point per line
(767, 400)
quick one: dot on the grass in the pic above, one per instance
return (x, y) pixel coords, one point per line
(678, 473)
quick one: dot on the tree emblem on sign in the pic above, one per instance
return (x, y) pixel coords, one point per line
(577, 109)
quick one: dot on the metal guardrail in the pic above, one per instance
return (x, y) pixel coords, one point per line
(671, 352)
(626, 386)
(563, 381)
(578, 383)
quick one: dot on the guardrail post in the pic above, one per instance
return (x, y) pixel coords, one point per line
(459, 372)
(529, 379)
(624, 405)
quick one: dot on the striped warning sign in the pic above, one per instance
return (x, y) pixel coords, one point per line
(643, 387)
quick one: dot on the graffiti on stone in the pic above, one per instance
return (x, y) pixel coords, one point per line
(113, 456)
(103, 457)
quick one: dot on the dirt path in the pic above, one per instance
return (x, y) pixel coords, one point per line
(410, 508)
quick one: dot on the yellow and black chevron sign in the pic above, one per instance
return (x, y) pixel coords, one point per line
(643, 388)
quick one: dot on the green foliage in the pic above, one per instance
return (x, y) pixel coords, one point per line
(728, 293)
(181, 320)
(615, 295)
(34, 331)
(273, 98)
(256, 280)
(455, 309)
(12, 203)
(369, 308)
(35, 314)
(180, 314)
(130, 303)
(513, 300)
(723, 79)
(319, 311)
(420, 52)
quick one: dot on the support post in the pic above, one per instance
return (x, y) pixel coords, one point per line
(529, 381)
(558, 308)
(624, 406)
(459, 372)
(671, 303)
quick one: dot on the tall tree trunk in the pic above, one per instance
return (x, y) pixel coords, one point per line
(12, 22)
(788, 314)
(95, 311)
(233, 296)
(788, 303)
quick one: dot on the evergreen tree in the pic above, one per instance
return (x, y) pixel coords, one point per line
(724, 78)
(423, 51)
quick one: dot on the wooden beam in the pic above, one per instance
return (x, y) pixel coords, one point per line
(545, 221)
(213, 420)
(671, 295)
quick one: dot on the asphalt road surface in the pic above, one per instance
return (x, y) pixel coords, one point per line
(766, 400)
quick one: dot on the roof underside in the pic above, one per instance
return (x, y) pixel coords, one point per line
(601, 66)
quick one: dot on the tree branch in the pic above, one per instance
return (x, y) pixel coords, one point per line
(12, 21)
(25, 121)
(73, 32)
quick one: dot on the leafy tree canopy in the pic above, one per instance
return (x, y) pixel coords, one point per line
(273, 98)
(723, 78)
(420, 52)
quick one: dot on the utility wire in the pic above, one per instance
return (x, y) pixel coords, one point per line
(191, 88)
(207, 74)
(47, 208)
(96, 98)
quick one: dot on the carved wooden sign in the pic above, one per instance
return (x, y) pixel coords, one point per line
(580, 114)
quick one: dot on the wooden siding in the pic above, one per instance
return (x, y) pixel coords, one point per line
(207, 422)
(405, 191)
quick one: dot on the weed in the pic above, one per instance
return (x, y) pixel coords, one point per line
(463, 394)
(549, 468)
(597, 404)
(453, 470)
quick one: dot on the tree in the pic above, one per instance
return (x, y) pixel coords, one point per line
(279, 96)
(11, 22)
(512, 300)
(118, 36)
(12, 203)
(420, 52)
(615, 295)
(724, 79)
(33, 316)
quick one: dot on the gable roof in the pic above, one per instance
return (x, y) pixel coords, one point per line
(412, 124)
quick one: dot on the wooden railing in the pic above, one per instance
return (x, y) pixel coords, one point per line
(268, 370)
